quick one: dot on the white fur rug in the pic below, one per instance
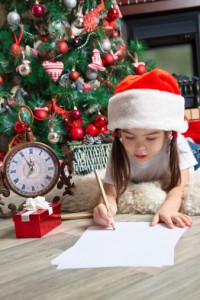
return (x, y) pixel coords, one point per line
(144, 198)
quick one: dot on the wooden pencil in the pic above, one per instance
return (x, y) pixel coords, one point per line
(103, 194)
(77, 215)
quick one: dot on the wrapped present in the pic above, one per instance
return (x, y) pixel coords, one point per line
(36, 223)
(193, 131)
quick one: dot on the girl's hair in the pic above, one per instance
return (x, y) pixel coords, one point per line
(175, 177)
(121, 170)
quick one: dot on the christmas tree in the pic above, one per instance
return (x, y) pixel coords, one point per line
(62, 61)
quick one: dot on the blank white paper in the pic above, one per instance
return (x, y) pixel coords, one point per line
(131, 244)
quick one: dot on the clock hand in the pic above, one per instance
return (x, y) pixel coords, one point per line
(31, 162)
(30, 165)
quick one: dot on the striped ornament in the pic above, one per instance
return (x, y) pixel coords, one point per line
(54, 69)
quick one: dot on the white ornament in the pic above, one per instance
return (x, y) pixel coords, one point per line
(106, 45)
(91, 74)
(70, 3)
(24, 69)
(13, 18)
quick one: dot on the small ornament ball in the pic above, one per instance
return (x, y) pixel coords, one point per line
(20, 127)
(108, 59)
(103, 129)
(106, 45)
(62, 47)
(37, 10)
(45, 38)
(53, 137)
(113, 14)
(91, 74)
(75, 114)
(16, 50)
(92, 130)
(13, 18)
(76, 133)
(100, 121)
(74, 75)
(40, 114)
(1, 80)
(70, 3)
(75, 42)
(25, 70)
(140, 69)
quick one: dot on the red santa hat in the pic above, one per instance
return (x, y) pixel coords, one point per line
(148, 101)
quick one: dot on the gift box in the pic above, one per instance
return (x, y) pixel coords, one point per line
(35, 224)
(193, 131)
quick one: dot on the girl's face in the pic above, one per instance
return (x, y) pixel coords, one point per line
(142, 144)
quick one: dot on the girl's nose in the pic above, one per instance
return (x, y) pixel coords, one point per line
(140, 146)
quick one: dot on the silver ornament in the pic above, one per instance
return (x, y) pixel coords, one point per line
(13, 18)
(91, 74)
(24, 70)
(53, 137)
(106, 45)
(70, 3)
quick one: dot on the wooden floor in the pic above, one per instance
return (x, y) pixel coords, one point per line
(26, 271)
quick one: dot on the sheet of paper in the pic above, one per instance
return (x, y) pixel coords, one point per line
(131, 244)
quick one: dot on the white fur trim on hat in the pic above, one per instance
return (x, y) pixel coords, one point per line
(146, 109)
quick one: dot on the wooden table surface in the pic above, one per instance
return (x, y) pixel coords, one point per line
(26, 271)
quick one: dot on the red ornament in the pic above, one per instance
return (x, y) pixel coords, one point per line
(103, 129)
(113, 14)
(62, 47)
(92, 130)
(44, 38)
(16, 50)
(100, 121)
(76, 133)
(75, 114)
(20, 127)
(37, 10)
(75, 42)
(74, 75)
(108, 59)
(140, 69)
(40, 114)
(1, 80)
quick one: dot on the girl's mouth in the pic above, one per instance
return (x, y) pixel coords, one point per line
(140, 156)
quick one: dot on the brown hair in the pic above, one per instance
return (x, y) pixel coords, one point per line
(121, 170)
(174, 166)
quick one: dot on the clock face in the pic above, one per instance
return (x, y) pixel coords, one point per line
(31, 169)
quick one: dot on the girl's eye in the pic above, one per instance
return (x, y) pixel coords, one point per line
(129, 137)
(151, 139)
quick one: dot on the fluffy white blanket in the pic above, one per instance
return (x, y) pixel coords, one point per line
(143, 198)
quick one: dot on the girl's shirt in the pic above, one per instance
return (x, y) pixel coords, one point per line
(157, 168)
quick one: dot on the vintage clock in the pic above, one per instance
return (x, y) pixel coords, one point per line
(31, 169)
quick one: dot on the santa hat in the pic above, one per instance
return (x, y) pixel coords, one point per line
(148, 101)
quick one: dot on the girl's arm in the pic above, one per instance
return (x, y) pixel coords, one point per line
(101, 215)
(169, 210)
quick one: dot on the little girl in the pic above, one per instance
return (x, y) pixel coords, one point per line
(146, 115)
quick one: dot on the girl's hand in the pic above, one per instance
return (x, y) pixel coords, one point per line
(102, 216)
(171, 218)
